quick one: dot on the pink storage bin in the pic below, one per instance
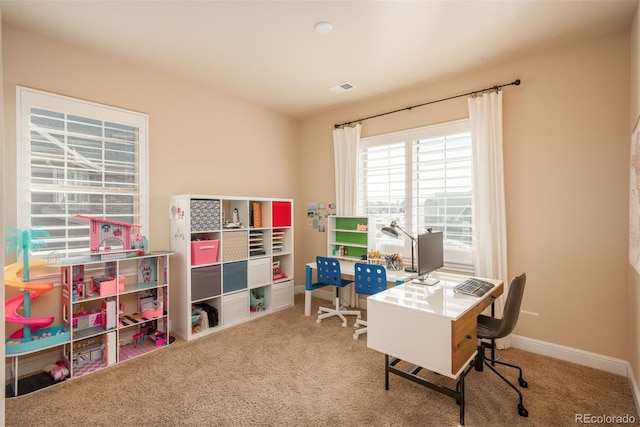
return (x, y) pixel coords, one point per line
(109, 287)
(204, 252)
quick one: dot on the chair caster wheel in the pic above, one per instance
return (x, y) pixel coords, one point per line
(344, 324)
(522, 411)
(318, 321)
(356, 336)
(523, 383)
(355, 325)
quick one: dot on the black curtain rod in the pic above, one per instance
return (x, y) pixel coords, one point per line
(496, 88)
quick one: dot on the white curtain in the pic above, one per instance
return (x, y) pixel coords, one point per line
(346, 142)
(489, 214)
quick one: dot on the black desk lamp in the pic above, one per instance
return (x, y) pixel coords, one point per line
(392, 231)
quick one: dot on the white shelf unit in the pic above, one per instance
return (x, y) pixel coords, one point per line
(235, 283)
(342, 232)
(107, 321)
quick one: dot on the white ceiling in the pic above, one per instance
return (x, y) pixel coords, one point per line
(268, 52)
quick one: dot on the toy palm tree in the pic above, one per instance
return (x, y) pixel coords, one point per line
(23, 242)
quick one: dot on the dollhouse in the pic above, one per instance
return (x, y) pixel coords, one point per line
(104, 232)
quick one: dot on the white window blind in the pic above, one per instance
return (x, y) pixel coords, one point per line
(77, 157)
(422, 179)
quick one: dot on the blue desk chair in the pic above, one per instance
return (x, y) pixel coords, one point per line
(329, 274)
(369, 280)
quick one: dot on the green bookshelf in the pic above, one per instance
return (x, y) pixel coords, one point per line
(342, 232)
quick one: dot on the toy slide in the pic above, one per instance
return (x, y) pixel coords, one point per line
(46, 335)
(16, 303)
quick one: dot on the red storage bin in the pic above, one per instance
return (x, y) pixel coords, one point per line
(281, 214)
(204, 252)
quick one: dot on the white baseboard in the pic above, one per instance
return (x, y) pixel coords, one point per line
(581, 357)
(634, 387)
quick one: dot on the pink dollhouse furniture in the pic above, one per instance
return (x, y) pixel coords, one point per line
(101, 231)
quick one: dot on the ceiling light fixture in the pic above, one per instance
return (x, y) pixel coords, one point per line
(323, 27)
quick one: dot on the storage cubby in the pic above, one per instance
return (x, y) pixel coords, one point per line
(205, 248)
(205, 315)
(235, 245)
(206, 282)
(239, 284)
(259, 241)
(282, 294)
(205, 214)
(259, 300)
(233, 209)
(235, 308)
(234, 276)
(282, 268)
(260, 214)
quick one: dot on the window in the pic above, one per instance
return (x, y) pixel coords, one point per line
(77, 157)
(422, 179)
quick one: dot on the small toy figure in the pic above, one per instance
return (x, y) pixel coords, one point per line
(139, 243)
(58, 371)
(277, 271)
(257, 299)
(235, 221)
(138, 338)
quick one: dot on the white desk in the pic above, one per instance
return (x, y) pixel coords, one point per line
(430, 327)
(347, 269)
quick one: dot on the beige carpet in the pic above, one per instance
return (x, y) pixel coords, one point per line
(284, 369)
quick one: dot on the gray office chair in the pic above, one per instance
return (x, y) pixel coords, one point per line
(329, 274)
(491, 328)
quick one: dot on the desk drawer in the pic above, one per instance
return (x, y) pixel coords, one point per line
(464, 341)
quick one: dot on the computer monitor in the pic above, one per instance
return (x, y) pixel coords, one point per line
(430, 256)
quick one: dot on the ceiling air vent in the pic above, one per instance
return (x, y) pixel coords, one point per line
(342, 87)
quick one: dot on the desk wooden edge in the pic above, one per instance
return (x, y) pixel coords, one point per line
(464, 331)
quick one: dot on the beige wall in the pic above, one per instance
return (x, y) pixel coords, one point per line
(634, 279)
(566, 134)
(201, 142)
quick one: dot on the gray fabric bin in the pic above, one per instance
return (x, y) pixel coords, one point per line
(205, 282)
